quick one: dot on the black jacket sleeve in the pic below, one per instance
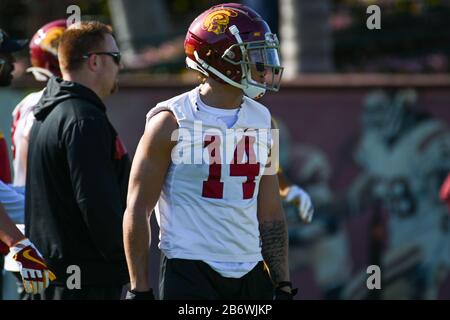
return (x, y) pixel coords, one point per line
(90, 148)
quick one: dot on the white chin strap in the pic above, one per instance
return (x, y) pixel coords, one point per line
(40, 74)
(252, 91)
(205, 68)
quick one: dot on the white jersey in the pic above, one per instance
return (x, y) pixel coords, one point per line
(23, 119)
(209, 212)
(407, 175)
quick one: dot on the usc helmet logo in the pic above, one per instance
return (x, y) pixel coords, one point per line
(217, 21)
(49, 40)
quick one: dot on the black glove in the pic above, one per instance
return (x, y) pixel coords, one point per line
(284, 295)
(136, 295)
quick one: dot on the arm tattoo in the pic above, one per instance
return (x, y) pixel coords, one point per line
(275, 249)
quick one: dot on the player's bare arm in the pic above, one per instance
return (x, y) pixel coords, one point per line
(273, 229)
(150, 164)
(9, 234)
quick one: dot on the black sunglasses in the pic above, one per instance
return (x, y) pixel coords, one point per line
(115, 55)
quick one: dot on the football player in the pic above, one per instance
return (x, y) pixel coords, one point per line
(322, 245)
(44, 60)
(223, 233)
(35, 273)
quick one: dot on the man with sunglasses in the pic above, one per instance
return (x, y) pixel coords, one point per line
(77, 179)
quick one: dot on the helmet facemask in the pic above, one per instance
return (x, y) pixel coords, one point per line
(260, 63)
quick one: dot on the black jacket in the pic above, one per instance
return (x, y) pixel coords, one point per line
(77, 177)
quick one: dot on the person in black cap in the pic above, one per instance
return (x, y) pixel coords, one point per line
(8, 45)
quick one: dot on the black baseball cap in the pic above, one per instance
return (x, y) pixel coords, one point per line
(8, 44)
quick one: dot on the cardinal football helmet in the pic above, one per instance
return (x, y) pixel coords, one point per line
(232, 44)
(44, 50)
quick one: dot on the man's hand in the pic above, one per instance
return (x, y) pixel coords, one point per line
(35, 274)
(302, 200)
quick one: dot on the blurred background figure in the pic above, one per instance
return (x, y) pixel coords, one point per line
(322, 246)
(405, 156)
